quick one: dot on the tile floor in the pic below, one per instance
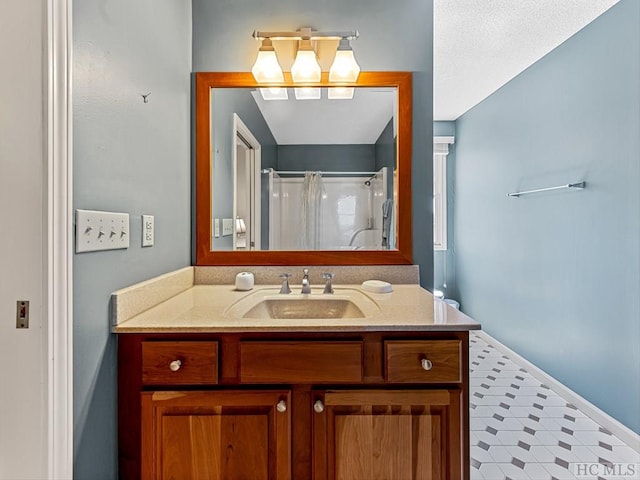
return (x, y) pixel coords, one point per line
(521, 429)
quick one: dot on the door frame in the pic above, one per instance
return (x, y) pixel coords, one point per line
(58, 213)
(240, 129)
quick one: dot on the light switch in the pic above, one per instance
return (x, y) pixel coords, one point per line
(97, 230)
(216, 227)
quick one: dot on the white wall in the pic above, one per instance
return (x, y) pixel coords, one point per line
(22, 242)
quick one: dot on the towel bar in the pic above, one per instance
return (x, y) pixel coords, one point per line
(568, 185)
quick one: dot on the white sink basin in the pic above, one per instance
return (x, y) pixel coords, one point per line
(304, 308)
(267, 303)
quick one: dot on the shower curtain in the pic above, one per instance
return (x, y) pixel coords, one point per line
(311, 213)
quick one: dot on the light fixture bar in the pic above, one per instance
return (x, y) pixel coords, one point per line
(305, 68)
(298, 35)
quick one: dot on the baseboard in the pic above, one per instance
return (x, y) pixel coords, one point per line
(621, 431)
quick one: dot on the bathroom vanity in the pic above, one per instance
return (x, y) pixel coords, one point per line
(205, 391)
(215, 383)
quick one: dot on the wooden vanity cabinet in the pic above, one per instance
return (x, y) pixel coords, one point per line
(230, 434)
(348, 406)
(387, 434)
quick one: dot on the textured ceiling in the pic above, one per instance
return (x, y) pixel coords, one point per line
(479, 45)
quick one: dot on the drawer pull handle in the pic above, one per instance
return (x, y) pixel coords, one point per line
(426, 364)
(281, 406)
(318, 407)
(175, 365)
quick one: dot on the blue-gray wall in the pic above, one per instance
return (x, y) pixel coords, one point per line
(387, 154)
(348, 158)
(133, 157)
(556, 275)
(385, 149)
(394, 35)
(444, 261)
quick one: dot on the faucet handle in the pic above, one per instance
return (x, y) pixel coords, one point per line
(328, 288)
(306, 285)
(285, 283)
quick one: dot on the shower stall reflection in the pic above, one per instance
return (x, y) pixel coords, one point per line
(316, 210)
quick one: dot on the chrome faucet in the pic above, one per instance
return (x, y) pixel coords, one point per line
(306, 286)
(328, 288)
(285, 283)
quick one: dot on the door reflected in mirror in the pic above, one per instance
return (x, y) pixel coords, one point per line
(303, 174)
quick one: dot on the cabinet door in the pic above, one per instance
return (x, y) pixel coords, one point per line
(387, 434)
(216, 435)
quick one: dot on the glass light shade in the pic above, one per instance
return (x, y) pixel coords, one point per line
(241, 227)
(340, 93)
(344, 67)
(307, 93)
(274, 93)
(306, 67)
(267, 69)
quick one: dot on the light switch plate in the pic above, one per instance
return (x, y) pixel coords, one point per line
(227, 226)
(97, 230)
(216, 227)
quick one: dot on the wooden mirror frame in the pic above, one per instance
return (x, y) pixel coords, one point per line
(205, 81)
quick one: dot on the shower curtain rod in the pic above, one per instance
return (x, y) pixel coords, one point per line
(302, 172)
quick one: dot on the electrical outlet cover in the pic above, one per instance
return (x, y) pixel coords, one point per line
(148, 230)
(227, 226)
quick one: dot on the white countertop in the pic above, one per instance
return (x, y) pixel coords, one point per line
(201, 308)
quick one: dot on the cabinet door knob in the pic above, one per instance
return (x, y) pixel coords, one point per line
(426, 364)
(318, 407)
(281, 406)
(175, 365)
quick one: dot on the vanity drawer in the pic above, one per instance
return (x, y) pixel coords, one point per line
(300, 362)
(179, 363)
(423, 361)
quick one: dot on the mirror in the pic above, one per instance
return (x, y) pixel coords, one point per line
(303, 181)
(324, 165)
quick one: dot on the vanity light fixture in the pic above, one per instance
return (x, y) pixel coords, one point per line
(274, 93)
(267, 69)
(306, 68)
(340, 93)
(344, 67)
(307, 93)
